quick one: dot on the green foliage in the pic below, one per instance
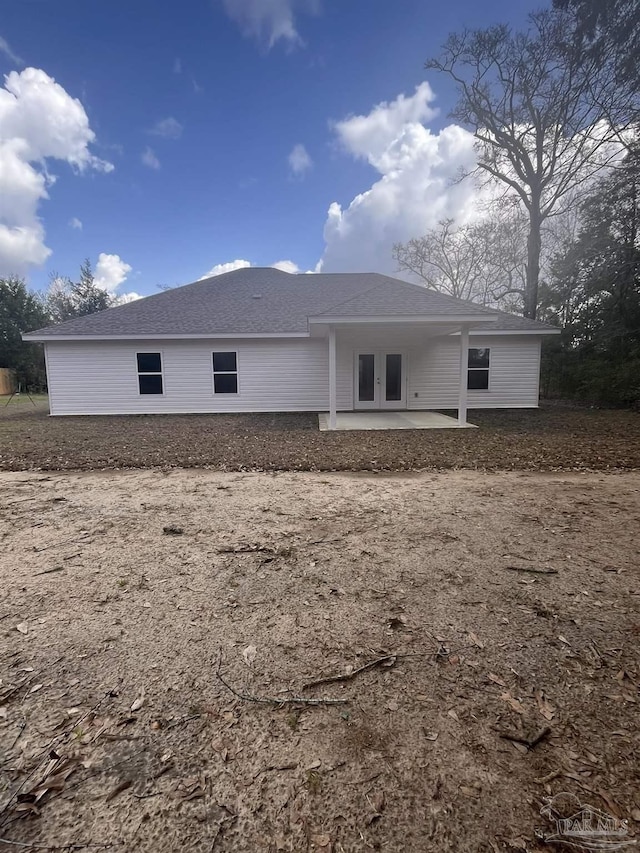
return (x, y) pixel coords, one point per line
(610, 30)
(20, 311)
(23, 310)
(595, 293)
(67, 299)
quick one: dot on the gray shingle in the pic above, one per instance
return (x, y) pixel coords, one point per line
(258, 300)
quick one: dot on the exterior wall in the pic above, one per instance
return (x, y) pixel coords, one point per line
(514, 373)
(433, 367)
(100, 377)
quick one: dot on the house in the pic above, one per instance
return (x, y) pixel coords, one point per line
(262, 340)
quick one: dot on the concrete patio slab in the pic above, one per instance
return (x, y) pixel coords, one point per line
(391, 420)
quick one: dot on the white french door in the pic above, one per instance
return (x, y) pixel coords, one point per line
(380, 380)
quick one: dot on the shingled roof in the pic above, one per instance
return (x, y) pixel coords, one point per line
(258, 300)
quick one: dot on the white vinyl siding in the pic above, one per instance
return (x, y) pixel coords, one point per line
(100, 377)
(514, 373)
(433, 368)
(282, 375)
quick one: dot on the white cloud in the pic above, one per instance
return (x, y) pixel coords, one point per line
(220, 269)
(123, 298)
(149, 158)
(169, 128)
(375, 136)
(75, 223)
(416, 187)
(299, 160)
(269, 21)
(39, 121)
(177, 65)
(110, 272)
(5, 48)
(286, 266)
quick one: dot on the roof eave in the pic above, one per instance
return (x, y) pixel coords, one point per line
(490, 331)
(41, 337)
(440, 319)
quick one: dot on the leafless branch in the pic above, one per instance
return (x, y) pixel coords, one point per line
(266, 700)
(387, 660)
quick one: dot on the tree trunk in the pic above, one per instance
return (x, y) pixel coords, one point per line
(534, 246)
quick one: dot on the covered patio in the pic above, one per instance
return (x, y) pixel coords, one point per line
(370, 353)
(390, 420)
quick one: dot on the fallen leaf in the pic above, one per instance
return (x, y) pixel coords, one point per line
(138, 703)
(613, 807)
(35, 688)
(563, 640)
(469, 792)
(476, 640)
(496, 679)
(453, 714)
(544, 706)
(377, 801)
(249, 655)
(392, 705)
(23, 627)
(431, 735)
(514, 704)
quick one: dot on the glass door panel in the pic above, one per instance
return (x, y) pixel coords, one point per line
(393, 377)
(366, 378)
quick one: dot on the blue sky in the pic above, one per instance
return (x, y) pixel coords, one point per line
(198, 112)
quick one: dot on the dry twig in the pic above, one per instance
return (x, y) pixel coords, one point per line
(532, 570)
(387, 660)
(47, 751)
(268, 700)
(529, 742)
(82, 846)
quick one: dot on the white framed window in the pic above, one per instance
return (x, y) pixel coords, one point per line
(150, 379)
(478, 369)
(225, 372)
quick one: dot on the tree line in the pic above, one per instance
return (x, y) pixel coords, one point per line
(23, 309)
(555, 113)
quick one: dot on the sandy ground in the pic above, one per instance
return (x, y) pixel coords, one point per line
(278, 580)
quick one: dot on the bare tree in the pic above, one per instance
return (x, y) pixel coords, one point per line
(447, 259)
(546, 119)
(483, 261)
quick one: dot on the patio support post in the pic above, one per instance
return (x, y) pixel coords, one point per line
(332, 378)
(464, 364)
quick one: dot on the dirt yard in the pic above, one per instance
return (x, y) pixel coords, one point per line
(499, 612)
(553, 438)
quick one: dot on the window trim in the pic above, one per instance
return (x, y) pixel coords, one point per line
(477, 370)
(235, 373)
(140, 373)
